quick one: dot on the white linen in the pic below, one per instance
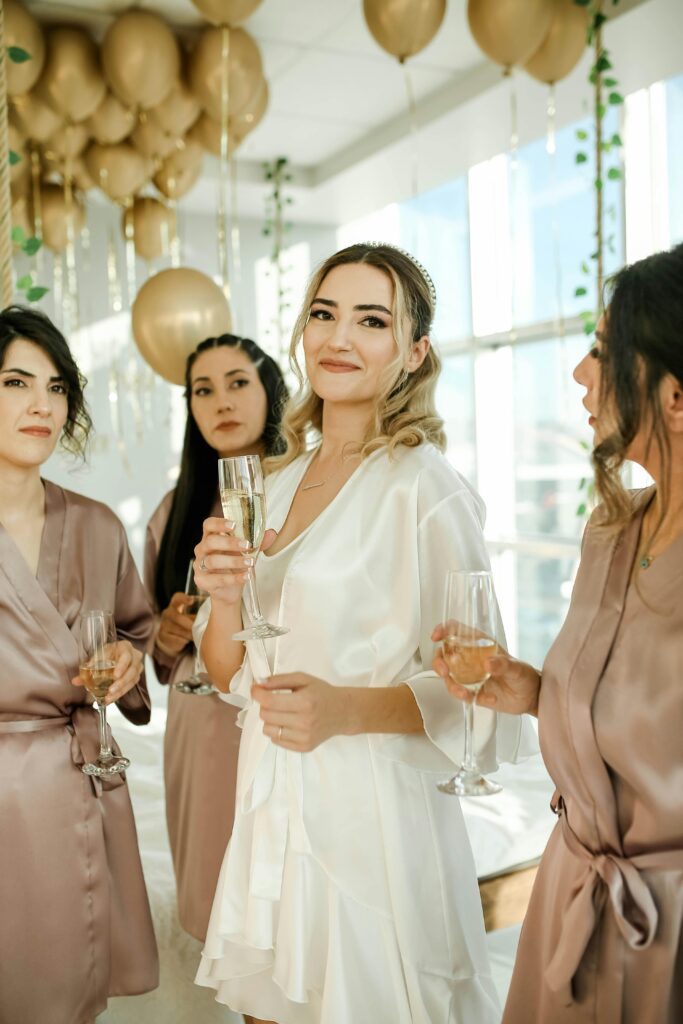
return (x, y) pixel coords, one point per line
(356, 831)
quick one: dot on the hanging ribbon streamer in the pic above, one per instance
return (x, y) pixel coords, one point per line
(115, 296)
(174, 244)
(414, 131)
(58, 281)
(514, 180)
(71, 276)
(223, 173)
(235, 239)
(37, 206)
(113, 280)
(551, 150)
(129, 235)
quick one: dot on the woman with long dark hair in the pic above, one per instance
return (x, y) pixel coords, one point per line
(602, 942)
(235, 393)
(75, 925)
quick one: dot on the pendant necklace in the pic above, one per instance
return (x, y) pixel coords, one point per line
(321, 483)
(646, 561)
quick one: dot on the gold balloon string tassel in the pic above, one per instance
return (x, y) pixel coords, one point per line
(37, 205)
(129, 230)
(223, 172)
(115, 417)
(551, 150)
(58, 282)
(135, 388)
(414, 130)
(113, 279)
(514, 179)
(175, 235)
(85, 243)
(235, 239)
(71, 276)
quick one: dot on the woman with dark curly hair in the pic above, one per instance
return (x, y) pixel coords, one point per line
(75, 925)
(235, 394)
(602, 942)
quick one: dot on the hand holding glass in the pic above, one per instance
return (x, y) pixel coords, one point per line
(97, 659)
(198, 684)
(469, 629)
(243, 497)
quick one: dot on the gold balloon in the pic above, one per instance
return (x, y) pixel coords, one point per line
(207, 133)
(226, 12)
(404, 27)
(21, 29)
(152, 141)
(34, 118)
(111, 122)
(180, 171)
(205, 70)
(178, 112)
(172, 313)
(69, 142)
(509, 31)
(71, 82)
(563, 47)
(80, 177)
(119, 170)
(152, 224)
(55, 217)
(141, 59)
(17, 145)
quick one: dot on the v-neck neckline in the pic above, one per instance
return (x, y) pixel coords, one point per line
(297, 483)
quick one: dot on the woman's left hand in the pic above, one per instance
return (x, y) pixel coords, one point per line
(300, 712)
(127, 671)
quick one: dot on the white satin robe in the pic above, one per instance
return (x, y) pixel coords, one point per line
(348, 892)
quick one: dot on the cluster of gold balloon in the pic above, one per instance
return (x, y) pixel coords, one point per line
(137, 111)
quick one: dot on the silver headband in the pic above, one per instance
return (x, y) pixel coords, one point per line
(416, 263)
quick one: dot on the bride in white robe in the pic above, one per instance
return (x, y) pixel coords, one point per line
(348, 893)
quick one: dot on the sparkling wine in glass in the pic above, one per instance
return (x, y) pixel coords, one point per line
(470, 624)
(198, 684)
(97, 647)
(243, 497)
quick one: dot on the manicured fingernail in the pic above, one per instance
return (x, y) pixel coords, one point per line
(229, 524)
(248, 560)
(244, 545)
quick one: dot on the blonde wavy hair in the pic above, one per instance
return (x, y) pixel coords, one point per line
(405, 412)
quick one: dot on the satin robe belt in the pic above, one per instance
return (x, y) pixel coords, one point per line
(632, 903)
(275, 798)
(85, 742)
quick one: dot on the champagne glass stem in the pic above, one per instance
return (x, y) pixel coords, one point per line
(255, 605)
(468, 761)
(105, 749)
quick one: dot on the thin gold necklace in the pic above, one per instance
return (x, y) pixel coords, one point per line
(321, 483)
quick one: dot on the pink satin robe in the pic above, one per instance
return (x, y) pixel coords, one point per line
(602, 940)
(75, 924)
(201, 747)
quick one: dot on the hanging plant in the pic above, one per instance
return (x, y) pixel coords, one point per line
(28, 245)
(606, 94)
(276, 227)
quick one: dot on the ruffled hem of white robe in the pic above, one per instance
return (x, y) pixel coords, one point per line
(319, 957)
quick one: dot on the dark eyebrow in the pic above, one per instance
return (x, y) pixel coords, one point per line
(363, 308)
(228, 373)
(24, 373)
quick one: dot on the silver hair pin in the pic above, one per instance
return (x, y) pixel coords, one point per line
(416, 263)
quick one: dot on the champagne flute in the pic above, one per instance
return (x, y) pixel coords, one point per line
(243, 497)
(470, 625)
(198, 683)
(97, 647)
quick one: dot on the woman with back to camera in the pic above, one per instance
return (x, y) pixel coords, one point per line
(348, 892)
(602, 940)
(75, 925)
(235, 394)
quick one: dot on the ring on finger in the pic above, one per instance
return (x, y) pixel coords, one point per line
(279, 734)
(202, 565)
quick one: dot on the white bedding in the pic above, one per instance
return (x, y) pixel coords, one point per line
(505, 830)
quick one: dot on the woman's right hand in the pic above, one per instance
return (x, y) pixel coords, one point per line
(222, 562)
(512, 687)
(175, 628)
